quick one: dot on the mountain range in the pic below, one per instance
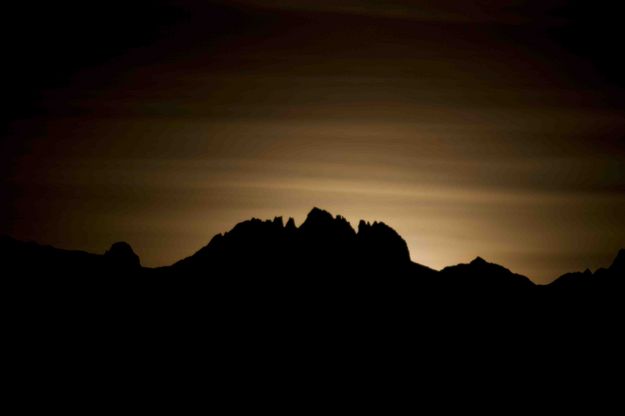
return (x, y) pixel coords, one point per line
(314, 299)
(323, 254)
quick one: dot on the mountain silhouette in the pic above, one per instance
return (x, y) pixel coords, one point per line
(323, 260)
(315, 296)
(603, 284)
(482, 277)
(32, 259)
(323, 246)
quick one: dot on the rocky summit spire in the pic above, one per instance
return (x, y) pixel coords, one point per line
(379, 242)
(317, 217)
(290, 225)
(320, 222)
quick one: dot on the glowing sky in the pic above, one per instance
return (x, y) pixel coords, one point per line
(473, 128)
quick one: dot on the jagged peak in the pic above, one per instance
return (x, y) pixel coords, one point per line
(343, 221)
(478, 261)
(364, 226)
(382, 238)
(319, 218)
(290, 224)
(318, 215)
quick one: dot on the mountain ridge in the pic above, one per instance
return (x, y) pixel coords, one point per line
(323, 243)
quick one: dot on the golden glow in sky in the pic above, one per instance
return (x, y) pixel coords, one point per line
(466, 132)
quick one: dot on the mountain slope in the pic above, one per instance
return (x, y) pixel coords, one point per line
(488, 276)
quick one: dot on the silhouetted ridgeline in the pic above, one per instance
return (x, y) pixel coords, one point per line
(267, 296)
(323, 259)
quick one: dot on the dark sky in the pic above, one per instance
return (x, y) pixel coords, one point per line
(491, 128)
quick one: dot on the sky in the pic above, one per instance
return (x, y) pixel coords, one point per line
(473, 128)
